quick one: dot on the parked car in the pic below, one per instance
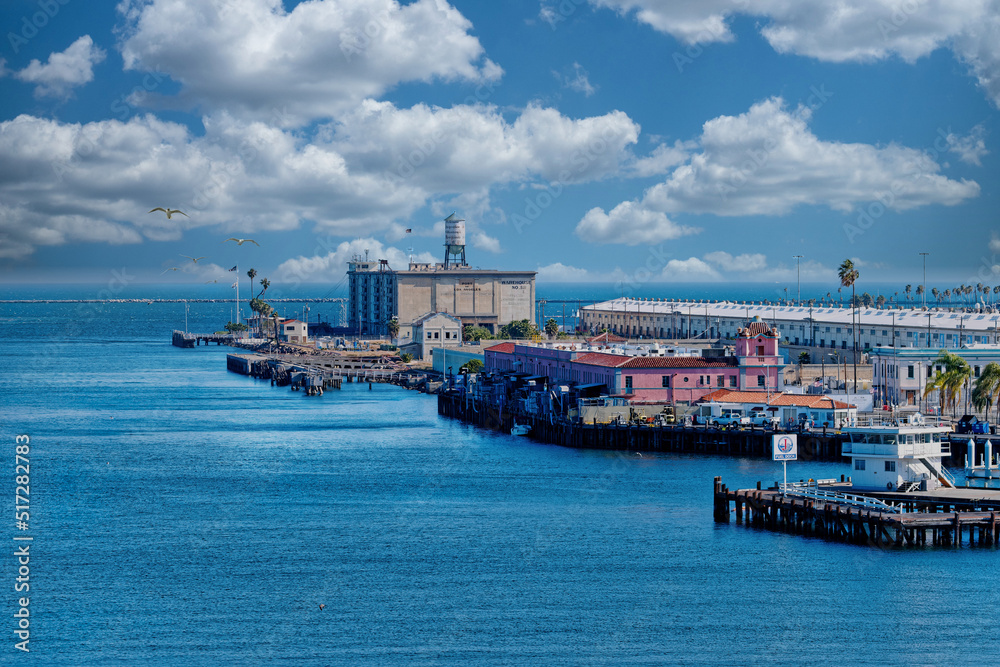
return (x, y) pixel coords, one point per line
(729, 420)
(761, 418)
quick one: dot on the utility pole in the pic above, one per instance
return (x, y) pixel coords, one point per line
(798, 280)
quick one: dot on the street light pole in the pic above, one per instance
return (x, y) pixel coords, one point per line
(924, 290)
(798, 281)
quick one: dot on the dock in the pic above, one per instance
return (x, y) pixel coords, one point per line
(630, 437)
(184, 339)
(828, 509)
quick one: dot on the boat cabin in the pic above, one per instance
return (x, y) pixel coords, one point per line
(901, 454)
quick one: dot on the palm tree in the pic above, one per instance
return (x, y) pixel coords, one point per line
(920, 290)
(848, 276)
(908, 289)
(880, 301)
(252, 273)
(551, 327)
(951, 380)
(393, 328)
(866, 300)
(987, 389)
(264, 284)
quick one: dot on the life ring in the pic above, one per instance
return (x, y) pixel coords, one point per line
(889, 486)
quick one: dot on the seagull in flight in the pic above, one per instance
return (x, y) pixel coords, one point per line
(193, 259)
(170, 211)
(242, 241)
(172, 268)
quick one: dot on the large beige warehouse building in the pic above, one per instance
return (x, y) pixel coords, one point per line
(483, 297)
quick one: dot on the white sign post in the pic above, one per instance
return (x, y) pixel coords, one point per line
(785, 449)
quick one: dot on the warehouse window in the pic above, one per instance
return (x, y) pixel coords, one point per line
(890, 466)
(859, 464)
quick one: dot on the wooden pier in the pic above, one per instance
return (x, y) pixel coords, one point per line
(946, 517)
(633, 437)
(184, 339)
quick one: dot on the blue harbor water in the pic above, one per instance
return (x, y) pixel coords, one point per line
(183, 515)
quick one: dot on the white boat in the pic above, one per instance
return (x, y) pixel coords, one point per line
(898, 454)
(520, 429)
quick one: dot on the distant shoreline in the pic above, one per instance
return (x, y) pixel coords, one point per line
(283, 300)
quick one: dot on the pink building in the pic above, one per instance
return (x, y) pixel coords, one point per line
(755, 366)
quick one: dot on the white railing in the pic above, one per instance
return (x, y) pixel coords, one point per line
(854, 500)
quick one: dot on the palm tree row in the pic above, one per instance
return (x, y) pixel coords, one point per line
(951, 380)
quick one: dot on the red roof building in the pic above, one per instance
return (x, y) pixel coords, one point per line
(667, 379)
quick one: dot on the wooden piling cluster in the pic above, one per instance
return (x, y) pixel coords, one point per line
(937, 520)
(183, 339)
(631, 437)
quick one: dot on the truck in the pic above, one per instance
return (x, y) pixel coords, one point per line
(731, 419)
(761, 418)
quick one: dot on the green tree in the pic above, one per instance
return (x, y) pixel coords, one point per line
(406, 357)
(264, 284)
(986, 392)
(519, 329)
(471, 366)
(472, 332)
(233, 327)
(393, 328)
(848, 277)
(880, 301)
(551, 328)
(950, 381)
(805, 357)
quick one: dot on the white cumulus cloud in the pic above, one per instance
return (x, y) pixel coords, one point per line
(257, 59)
(484, 241)
(562, 273)
(688, 270)
(843, 31)
(333, 264)
(63, 71)
(629, 223)
(767, 162)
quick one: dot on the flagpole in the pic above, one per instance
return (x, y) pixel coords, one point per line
(238, 318)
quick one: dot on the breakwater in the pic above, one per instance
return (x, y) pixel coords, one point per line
(632, 437)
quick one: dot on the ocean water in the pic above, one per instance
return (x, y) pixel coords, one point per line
(183, 515)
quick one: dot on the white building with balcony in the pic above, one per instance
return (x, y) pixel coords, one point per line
(903, 454)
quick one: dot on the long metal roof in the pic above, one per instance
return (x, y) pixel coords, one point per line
(867, 317)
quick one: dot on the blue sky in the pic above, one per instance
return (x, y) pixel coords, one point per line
(591, 140)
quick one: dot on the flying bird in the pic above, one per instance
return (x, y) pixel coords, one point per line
(170, 211)
(322, 607)
(193, 259)
(172, 268)
(242, 241)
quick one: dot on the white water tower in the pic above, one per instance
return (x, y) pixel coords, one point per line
(454, 240)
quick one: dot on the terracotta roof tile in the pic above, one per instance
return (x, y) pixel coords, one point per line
(606, 337)
(601, 359)
(757, 329)
(789, 400)
(680, 362)
(501, 347)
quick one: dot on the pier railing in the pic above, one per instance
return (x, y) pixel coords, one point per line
(813, 493)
